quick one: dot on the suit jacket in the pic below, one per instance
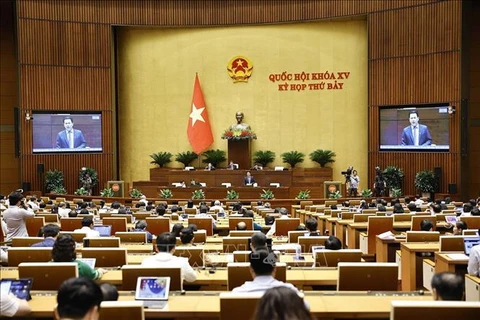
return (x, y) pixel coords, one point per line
(248, 180)
(47, 242)
(424, 137)
(78, 139)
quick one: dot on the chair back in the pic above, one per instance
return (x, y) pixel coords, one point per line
(17, 255)
(242, 233)
(25, 241)
(473, 222)
(49, 217)
(293, 235)
(135, 236)
(34, 224)
(191, 211)
(377, 225)
(423, 236)
(106, 257)
(130, 273)
(403, 217)
(117, 223)
(70, 224)
(361, 217)
(121, 310)
(416, 220)
(108, 242)
(205, 223)
(239, 272)
(470, 232)
(233, 221)
(452, 243)
(47, 275)
(433, 310)
(241, 256)
(77, 236)
(329, 203)
(305, 203)
(157, 225)
(238, 306)
(199, 236)
(331, 258)
(231, 244)
(141, 215)
(366, 276)
(306, 243)
(285, 225)
(194, 254)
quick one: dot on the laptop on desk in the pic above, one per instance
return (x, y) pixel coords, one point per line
(104, 230)
(153, 291)
(469, 243)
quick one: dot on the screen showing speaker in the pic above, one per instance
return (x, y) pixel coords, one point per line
(67, 132)
(415, 127)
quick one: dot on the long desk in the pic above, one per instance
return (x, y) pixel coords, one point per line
(409, 252)
(451, 262)
(386, 248)
(207, 305)
(218, 280)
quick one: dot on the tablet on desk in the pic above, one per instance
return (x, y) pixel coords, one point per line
(19, 288)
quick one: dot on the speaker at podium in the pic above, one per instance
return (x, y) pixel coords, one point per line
(118, 188)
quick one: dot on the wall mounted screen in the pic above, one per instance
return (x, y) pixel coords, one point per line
(67, 132)
(415, 128)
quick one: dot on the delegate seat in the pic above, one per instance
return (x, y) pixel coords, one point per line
(121, 310)
(239, 272)
(47, 275)
(331, 258)
(130, 273)
(366, 276)
(106, 257)
(17, 255)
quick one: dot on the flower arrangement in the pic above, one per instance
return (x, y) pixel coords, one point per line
(238, 134)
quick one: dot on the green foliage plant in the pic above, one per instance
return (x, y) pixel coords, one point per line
(366, 193)
(107, 192)
(198, 194)
(232, 194)
(81, 192)
(393, 177)
(293, 157)
(186, 157)
(267, 194)
(135, 193)
(303, 194)
(322, 157)
(263, 157)
(53, 180)
(91, 172)
(425, 181)
(161, 158)
(215, 157)
(335, 195)
(166, 194)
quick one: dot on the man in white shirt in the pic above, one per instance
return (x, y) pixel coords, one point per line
(63, 210)
(217, 205)
(87, 227)
(165, 258)
(15, 216)
(262, 268)
(474, 260)
(12, 306)
(273, 229)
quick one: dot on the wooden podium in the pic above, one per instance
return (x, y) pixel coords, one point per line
(239, 151)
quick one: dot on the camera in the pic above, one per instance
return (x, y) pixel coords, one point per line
(347, 173)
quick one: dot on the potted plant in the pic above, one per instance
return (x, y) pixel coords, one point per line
(393, 177)
(107, 192)
(161, 158)
(135, 193)
(198, 194)
(214, 157)
(267, 194)
(232, 195)
(54, 180)
(396, 192)
(81, 192)
(366, 193)
(425, 181)
(322, 157)
(263, 157)
(59, 190)
(186, 157)
(303, 194)
(165, 194)
(335, 195)
(292, 158)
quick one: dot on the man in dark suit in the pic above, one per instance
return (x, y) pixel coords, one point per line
(248, 180)
(70, 138)
(416, 134)
(50, 232)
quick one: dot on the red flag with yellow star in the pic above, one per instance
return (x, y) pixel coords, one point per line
(199, 131)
